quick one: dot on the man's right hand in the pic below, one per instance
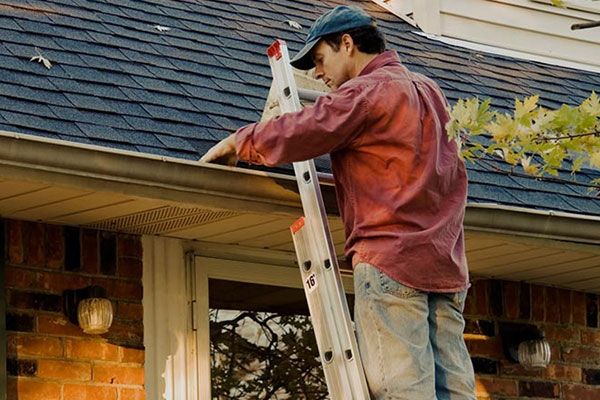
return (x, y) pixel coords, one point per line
(222, 153)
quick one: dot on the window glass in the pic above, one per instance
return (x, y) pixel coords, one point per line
(262, 343)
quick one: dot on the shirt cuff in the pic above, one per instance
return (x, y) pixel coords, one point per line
(244, 145)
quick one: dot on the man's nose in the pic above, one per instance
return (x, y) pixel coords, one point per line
(317, 73)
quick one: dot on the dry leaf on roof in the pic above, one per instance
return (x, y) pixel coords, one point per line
(161, 28)
(293, 24)
(41, 59)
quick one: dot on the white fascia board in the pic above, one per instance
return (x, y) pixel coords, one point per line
(403, 9)
(509, 53)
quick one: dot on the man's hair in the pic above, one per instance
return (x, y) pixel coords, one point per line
(369, 39)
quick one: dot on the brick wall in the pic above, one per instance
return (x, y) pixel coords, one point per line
(49, 358)
(570, 322)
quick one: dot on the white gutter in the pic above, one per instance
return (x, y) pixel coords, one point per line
(65, 163)
(28, 157)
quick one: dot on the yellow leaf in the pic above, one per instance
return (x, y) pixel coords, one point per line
(595, 159)
(559, 3)
(528, 167)
(591, 105)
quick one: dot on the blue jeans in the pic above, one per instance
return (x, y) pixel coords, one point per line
(411, 342)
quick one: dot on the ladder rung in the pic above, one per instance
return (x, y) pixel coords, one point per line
(309, 95)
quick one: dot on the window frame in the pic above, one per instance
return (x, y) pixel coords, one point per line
(206, 268)
(3, 336)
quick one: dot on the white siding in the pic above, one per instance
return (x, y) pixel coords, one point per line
(528, 26)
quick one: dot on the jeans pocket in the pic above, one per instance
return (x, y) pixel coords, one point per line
(390, 286)
(459, 300)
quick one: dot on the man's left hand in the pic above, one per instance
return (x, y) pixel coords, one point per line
(222, 153)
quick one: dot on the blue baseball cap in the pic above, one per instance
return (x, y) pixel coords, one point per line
(341, 18)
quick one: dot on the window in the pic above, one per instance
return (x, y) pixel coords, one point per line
(255, 339)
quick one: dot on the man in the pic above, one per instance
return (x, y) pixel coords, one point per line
(401, 189)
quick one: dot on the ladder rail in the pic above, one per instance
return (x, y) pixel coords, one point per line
(323, 287)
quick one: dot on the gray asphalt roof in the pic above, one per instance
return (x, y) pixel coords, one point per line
(119, 81)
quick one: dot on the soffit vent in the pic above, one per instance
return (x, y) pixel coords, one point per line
(162, 220)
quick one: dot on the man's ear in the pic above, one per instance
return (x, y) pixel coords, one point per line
(347, 43)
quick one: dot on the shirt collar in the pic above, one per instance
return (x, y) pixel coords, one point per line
(388, 57)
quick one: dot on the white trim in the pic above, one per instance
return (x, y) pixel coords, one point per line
(214, 268)
(580, 5)
(509, 53)
(202, 325)
(168, 338)
(400, 8)
(549, 213)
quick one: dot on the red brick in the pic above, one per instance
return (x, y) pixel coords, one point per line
(494, 386)
(590, 337)
(126, 310)
(127, 333)
(89, 392)
(539, 389)
(515, 369)
(55, 247)
(552, 305)
(580, 392)
(132, 394)
(581, 355)
(538, 301)
(565, 306)
(579, 310)
(89, 251)
(129, 267)
(55, 282)
(29, 345)
(17, 277)
(562, 373)
(64, 370)
(59, 282)
(34, 239)
(484, 346)
(15, 242)
(32, 389)
(57, 325)
(118, 374)
(120, 289)
(129, 246)
(90, 349)
(481, 296)
(562, 333)
(132, 355)
(511, 299)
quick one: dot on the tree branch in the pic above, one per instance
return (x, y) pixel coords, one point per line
(547, 139)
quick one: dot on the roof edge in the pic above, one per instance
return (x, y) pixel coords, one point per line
(99, 168)
(65, 163)
(518, 221)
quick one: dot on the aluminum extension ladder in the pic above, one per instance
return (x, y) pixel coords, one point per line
(327, 303)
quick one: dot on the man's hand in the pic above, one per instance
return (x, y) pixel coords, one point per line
(222, 152)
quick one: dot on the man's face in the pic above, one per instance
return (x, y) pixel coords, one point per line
(331, 66)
